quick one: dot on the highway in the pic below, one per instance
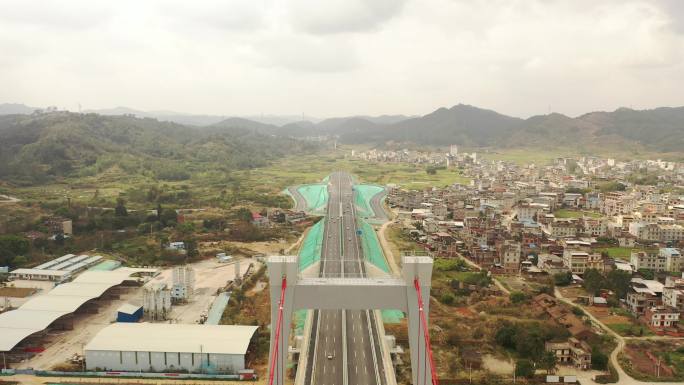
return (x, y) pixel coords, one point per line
(340, 334)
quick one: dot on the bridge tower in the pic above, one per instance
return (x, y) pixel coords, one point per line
(409, 293)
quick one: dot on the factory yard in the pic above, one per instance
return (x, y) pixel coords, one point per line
(61, 345)
(210, 276)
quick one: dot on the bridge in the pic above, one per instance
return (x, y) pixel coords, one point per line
(345, 345)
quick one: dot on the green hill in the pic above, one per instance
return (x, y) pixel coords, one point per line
(36, 148)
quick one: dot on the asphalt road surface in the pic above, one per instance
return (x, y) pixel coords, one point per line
(342, 257)
(300, 201)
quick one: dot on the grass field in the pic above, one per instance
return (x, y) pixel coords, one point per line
(619, 252)
(565, 213)
(629, 329)
(313, 168)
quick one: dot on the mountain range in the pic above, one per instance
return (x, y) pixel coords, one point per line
(656, 130)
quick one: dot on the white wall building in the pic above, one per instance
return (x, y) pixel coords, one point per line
(170, 347)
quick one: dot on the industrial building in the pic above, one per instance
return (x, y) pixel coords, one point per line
(170, 347)
(57, 270)
(26, 325)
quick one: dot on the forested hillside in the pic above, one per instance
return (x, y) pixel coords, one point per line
(40, 147)
(657, 130)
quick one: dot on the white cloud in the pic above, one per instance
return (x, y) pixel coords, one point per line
(335, 16)
(342, 57)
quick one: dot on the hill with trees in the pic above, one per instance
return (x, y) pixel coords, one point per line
(39, 147)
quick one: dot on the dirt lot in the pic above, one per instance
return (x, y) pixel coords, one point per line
(210, 275)
(644, 357)
(607, 316)
(17, 292)
(572, 292)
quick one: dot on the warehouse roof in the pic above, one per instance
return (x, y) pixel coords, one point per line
(54, 303)
(28, 319)
(75, 289)
(58, 273)
(181, 338)
(39, 312)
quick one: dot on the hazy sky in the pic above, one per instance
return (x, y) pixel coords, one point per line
(343, 57)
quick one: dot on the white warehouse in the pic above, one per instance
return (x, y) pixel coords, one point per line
(170, 347)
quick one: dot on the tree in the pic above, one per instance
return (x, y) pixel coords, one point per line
(524, 368)
(562, 279)
(518, 297)
(167, 217)
(548, 362)
(505, 336)
(244, 214)
(619, 282)
(447, 299)
(593, 281)
(120, 209)
(19, 260)
(599, 361)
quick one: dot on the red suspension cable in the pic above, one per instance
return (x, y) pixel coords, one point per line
(277, 335)
(426, 333)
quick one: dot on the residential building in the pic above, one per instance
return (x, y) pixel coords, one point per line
(563, 228)
(575, 260)
(551, 264)
(661, 317)
(673, 259)
(509, 254)
(650, 260)
(673, 293)
(571, 352)
(644, 294)
(615, 203)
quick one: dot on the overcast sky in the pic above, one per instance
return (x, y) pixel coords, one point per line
(343, 57)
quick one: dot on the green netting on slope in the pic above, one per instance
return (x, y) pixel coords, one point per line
(363, 193)
(299, 321)
(392, 316)
(311, 247)
(371, 246)
(316, 195)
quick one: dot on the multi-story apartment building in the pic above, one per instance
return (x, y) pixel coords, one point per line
(563, 228)
(673, 293)
(656, 232)
(673, 259)
(650, 260)
(575, 260)
(528, 212)
(509, 254)
(594, 227)
(644, 294)
(616, 203)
